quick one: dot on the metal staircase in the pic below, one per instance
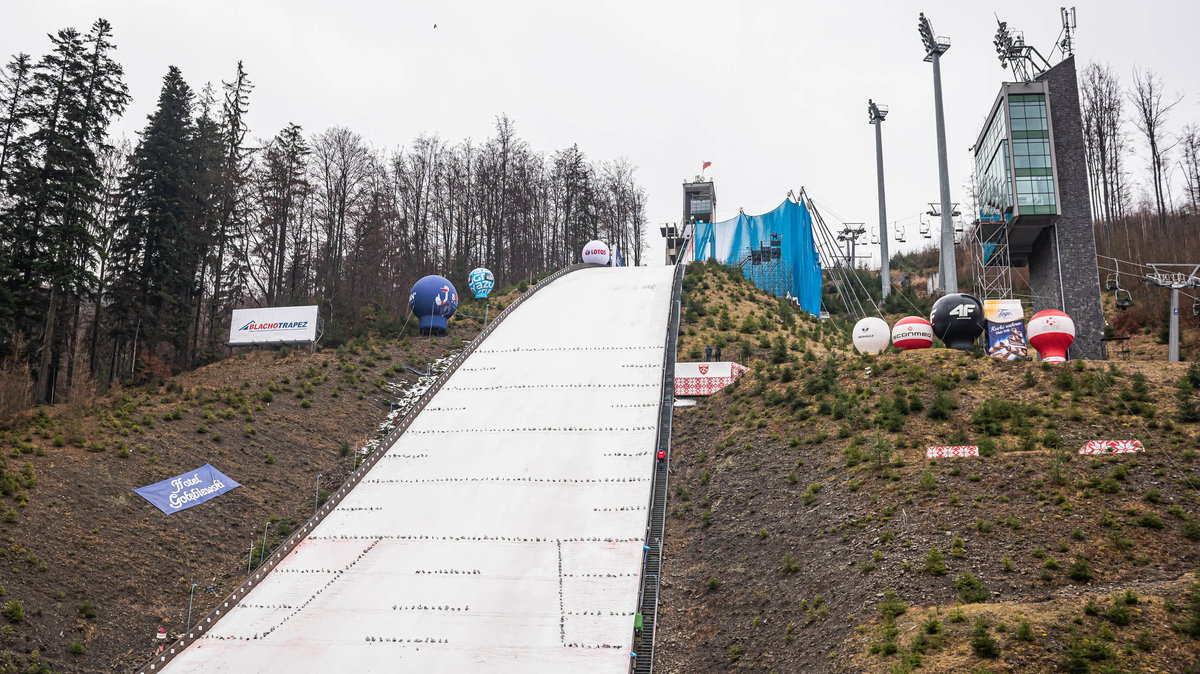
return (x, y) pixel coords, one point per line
(642, 657)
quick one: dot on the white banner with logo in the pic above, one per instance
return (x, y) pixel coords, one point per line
(273, 325)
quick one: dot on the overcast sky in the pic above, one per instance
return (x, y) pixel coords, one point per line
(773, 93)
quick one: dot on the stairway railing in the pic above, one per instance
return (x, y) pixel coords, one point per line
(642, 658)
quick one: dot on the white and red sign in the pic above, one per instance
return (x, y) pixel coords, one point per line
(1111, 447)
(951, 452)
(702, 379)
(273, 325)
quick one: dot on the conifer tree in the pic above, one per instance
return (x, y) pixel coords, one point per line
(159, 254)
(74, 93)
(14, 88)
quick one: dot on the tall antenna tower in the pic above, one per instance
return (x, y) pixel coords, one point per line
(1067, 40)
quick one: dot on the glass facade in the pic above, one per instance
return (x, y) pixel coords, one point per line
(1032, 167)
(992, 174)
(1020, 176)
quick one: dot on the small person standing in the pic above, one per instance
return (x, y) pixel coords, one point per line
(718, 354)
(708, 353)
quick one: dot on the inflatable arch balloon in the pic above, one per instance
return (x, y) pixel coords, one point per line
(912, 332)
(957, 320)
(596, 252)
(1051, 332)
(433, 299)
(871, 335)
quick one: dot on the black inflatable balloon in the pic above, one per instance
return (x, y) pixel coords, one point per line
(957, 320)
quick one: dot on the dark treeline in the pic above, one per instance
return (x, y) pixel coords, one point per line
(121, 258)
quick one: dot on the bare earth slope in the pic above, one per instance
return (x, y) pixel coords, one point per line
(802, 501)
(96, 570)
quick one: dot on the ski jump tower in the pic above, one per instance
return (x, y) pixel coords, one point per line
(1031, 172)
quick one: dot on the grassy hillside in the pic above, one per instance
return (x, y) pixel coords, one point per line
(809, 533)
(90, 570)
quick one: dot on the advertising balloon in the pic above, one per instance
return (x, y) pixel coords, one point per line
(957, 320)
(481, 281)
(595, 252)
(912, 332)
(433, 299)
(871, 335)
(1051, 332)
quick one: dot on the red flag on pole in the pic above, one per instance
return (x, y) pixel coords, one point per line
(706, 165)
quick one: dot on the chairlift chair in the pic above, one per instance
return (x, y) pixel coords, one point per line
(1196, 306)
(1111, 282)
(924, 228)
(1124, 299)
(899, 232)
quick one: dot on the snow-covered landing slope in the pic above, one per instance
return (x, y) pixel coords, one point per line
(503, 531)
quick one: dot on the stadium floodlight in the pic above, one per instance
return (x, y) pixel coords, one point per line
(935, 46)
(876, 113)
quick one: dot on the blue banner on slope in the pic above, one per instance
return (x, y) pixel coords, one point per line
(184, 491)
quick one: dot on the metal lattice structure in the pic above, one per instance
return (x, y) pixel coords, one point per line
(991, 263)
(764, 267)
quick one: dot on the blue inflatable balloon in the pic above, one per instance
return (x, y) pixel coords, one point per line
(433, 299)
(481, 281)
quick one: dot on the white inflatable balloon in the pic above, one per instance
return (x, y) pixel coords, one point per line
(871, 335)
(595, 252)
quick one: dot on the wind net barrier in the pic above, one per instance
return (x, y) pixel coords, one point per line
(731, 241)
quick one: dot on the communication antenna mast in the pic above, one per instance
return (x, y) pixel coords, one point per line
(1067, 43)
(1014, 53)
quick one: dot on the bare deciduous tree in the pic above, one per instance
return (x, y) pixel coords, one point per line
(1150, 118)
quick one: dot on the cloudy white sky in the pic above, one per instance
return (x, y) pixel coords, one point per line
(774, 93)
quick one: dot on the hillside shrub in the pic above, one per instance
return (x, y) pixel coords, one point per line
(971, 589)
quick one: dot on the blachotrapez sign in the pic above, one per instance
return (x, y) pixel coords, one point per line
(184, 491)
(273, 325)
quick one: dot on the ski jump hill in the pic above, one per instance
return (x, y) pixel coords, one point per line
(504, 526)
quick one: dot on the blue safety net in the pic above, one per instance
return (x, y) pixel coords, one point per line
(731, 242)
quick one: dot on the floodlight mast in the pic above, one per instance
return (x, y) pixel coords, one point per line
(877, 113)
(935, 46)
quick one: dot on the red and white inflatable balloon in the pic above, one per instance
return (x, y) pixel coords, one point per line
(595, 252)
(1051, 332)
(912, 332)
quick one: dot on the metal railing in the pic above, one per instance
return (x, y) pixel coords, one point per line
(204, 624)
(642, 662)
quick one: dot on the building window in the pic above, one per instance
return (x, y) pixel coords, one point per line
(1032, 163)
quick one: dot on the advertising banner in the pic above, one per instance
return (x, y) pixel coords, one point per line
(184, 491)
(701, 379)
(273, 325)
(1005, 329)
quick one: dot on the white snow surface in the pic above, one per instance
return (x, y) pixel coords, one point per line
(503, 531)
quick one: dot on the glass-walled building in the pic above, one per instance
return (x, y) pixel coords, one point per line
(1015, 167)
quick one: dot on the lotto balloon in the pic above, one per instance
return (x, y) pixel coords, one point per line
(871, 335)
(957, 320)
(433, 299)
(595, 252)
(912, 332)
(1051, 332)
(481, 281)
